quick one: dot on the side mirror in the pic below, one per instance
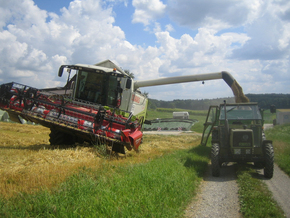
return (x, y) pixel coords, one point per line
(273, 109)
(128, 83)
(60, 71)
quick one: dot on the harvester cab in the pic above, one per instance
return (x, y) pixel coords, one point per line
(105, 84)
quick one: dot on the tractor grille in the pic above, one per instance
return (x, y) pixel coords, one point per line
(242, 138)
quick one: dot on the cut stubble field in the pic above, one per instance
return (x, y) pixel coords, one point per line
(28, 163)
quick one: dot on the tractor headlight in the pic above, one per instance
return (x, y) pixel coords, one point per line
(237, 151)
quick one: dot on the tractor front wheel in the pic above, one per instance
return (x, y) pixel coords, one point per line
(269, 161)
(215, 162)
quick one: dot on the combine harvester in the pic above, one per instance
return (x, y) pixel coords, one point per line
(100, 104)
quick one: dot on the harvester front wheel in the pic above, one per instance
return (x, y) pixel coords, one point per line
(215, 162)
(57, 137)
(269, 161)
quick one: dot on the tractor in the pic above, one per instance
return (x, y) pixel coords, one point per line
(238, 136)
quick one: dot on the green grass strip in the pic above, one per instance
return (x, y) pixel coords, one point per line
(162, 187)
(255, 199)
(280, 135)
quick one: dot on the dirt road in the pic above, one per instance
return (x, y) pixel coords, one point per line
(279, 185)
(217, 197)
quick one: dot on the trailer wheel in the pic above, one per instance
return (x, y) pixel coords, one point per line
(57, 137)
(215, 162)
(269, 161)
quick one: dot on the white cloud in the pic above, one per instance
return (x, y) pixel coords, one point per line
(270, 35)
(34, 43)
(34, 39)
(212, 13)
(147, 11)
(169, 28)
(205, 49)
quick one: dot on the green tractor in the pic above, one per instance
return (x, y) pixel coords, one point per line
(238, 136)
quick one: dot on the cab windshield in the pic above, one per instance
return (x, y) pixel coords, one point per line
(240, 112)
(98, 87)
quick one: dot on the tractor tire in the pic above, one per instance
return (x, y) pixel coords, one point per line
(269, 161)
(57, 137)
(215, 162)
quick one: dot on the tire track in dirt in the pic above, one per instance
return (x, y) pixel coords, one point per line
(217, 196)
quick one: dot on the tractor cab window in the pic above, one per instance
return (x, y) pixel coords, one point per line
(98, 87)
(242, 112)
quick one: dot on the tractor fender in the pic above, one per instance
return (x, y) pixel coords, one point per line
(265, 142)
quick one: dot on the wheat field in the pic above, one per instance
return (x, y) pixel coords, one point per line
(28, 163)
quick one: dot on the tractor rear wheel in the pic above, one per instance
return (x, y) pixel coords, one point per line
(269, 161)
(57, 137)
(215, 162)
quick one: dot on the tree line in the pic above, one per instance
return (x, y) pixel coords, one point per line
(281, 101)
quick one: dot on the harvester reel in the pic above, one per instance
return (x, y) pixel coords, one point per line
(100, 115)
(29, 98)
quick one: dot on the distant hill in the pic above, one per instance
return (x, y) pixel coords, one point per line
(264, 101)
(281, 101)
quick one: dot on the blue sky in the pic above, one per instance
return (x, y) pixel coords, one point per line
(151, 38)
(52, 5)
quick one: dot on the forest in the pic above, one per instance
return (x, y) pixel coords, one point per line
(281, 101)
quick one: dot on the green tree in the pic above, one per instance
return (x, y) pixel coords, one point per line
(130, 74)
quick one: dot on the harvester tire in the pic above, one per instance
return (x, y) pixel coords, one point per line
(269, 161)
(215, 162)
(57, 137)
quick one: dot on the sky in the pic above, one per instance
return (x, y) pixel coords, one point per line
(152, 39)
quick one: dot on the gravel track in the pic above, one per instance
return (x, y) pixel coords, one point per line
(279, 185)
(217, 196)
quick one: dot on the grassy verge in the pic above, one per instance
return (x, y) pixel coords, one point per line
(281, 142)
(269, 117)
(161, 187)
(255, 198)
